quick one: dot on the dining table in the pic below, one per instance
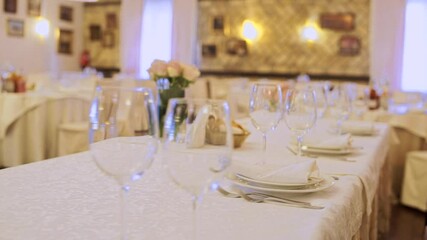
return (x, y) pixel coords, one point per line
(70, 198)
(30, 121)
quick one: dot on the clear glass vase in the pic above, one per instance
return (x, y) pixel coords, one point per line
(166, 91)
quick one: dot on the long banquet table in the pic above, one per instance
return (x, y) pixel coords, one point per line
(69, 198)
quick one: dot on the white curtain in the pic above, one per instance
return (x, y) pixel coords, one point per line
(387, 34)
(130, 33)
(414, 73)
(156, 39)
(184, 30)
(157, 29)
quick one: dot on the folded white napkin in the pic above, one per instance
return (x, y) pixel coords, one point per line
(335, 142)
(196, 132)
(358, 127)
(295, 172)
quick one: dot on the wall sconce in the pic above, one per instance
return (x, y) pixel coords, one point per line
(250, 31)
(42, 27)
(310, 32)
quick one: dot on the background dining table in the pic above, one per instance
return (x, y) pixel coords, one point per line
(30, 122)
(70, 198)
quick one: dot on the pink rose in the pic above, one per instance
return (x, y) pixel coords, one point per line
(174, 69)
(190, 72)
(158, 68)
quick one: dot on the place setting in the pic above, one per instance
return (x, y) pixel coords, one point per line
(317, 145)
(275, 180)
(357, 128)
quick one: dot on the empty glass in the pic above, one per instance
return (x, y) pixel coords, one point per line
(339, 106)
(265, 108)
(300, 113)
(197, 144)
(320, 90)
(123, 136)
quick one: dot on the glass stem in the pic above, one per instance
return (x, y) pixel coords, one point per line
(339, 127)
(195, 200)
(264, 136)
(124, 234)
(299, 145)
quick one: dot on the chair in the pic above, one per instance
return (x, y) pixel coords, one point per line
(414, 189)
(73, 136)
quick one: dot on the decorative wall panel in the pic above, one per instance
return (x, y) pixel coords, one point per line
(280, 49)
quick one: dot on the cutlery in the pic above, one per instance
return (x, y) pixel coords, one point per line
(263, 199)
(266, 198)
(320, 156)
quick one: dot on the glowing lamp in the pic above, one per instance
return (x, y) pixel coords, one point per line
(249, 31)
(309, 33)
(42, 27)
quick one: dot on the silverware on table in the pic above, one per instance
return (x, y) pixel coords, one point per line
(310, 155)
(265, 198)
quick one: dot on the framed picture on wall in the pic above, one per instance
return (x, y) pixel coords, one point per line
(209, 50)
(236, 46)
(10, 6)
(34, 8)
(108, 39)
(218, 24)
(95, 32)
(65, 41)
(338, 21)
(111, 20)
(66, 13)
(349, 45)
(15, 27)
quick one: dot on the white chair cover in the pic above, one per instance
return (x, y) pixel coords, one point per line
(414, 190)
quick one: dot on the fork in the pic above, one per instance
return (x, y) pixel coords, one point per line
(319, 156)
(261, 197)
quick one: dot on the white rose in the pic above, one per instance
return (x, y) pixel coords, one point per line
(174, 69)
(190, 72)
(158, 68)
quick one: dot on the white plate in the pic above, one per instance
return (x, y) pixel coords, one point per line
(342, 151)
(356, 132)
(326, 183)
(311, 181)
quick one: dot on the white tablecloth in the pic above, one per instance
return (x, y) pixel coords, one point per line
(411, 131)
(29, 123)
(69, 198)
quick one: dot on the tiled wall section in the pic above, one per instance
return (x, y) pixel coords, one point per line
(280, 49)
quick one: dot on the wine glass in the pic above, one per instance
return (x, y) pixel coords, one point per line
(123, 136)
(265, 108)
(320, 90)
(300, 113)
(339, 106)
(196, 145)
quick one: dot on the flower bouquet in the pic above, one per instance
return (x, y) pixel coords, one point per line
(171, 79)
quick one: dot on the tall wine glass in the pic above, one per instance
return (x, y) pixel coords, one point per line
(123, 137)
(265, 108)
(320, 90)
(339, 106)
(300, 112)
(196, 145)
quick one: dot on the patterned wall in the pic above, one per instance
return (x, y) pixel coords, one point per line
(280, 48)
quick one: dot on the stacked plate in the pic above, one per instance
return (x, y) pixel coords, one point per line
(329, 151)
(312, 185)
